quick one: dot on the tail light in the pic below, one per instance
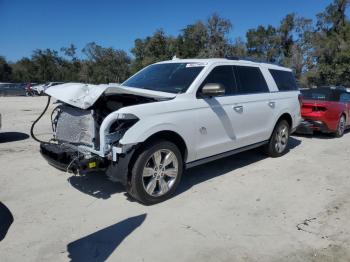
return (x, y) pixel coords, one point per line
(319, 109)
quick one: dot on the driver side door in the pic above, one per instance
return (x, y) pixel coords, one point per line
(215, 133)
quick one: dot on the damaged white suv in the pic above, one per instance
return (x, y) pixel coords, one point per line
(171, 116)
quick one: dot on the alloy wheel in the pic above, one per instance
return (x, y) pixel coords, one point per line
(341, 126)
(160, 172)
(282, 135)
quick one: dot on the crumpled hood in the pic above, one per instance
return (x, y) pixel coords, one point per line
(85, 95)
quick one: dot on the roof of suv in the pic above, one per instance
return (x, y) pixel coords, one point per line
(207, 61)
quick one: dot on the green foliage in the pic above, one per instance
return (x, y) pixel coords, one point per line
(264, 43)
(331, 43)
(104, 65)
(192, 40)
(319, 52)
(5, 70)
(152, 49)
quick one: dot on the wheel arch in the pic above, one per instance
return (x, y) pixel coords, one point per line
(287, 117)
(343, 113)
(283, 116)
(167, 135)
(170, 136)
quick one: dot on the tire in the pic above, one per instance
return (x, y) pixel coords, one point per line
(278, 143)
(341, 127)
(151, 182)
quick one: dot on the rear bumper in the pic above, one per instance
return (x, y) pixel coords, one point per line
(309, 126)
(67, 159)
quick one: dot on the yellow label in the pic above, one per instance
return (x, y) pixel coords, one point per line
(92, 164)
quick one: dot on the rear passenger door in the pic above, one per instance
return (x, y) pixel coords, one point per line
(253, 111)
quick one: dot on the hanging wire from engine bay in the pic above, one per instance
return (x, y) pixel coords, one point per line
(37, 120)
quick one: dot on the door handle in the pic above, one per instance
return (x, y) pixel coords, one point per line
(272, 104)
(238, 109)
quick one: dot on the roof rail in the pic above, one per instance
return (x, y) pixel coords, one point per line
(250, 59)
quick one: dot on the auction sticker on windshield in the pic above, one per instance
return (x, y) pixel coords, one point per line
(196, 64)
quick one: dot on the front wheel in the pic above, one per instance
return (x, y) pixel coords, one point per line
(341, 127)
(156, 173)
(278, 143)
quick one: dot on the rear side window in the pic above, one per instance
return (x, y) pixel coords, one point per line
(345, 97)
(285, 80)
(250, 80)
(222, 75)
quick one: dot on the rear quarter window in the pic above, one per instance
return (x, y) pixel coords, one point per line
(285, 80)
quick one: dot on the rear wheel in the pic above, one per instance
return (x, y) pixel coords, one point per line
(341, 127)
(156, 173)
(278, 142)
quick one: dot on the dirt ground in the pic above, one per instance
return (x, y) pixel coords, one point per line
(242, 208)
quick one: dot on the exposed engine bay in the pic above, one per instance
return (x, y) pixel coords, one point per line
(81, 126)
(76, 145)
(87, 126)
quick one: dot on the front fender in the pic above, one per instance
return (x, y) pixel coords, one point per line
(142, 130)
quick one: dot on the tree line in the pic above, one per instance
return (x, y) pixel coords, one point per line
(317, 50)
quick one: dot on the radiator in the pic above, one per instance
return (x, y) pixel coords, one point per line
(75, 125)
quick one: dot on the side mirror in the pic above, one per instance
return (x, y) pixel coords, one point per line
(213, 89)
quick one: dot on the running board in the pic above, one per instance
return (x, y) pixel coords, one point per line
(225, 154)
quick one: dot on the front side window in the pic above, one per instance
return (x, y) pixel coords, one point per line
(250, 80)
(168, 77)
(285, 80)
(222, 75)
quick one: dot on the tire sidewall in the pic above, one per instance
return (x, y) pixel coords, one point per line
(137, 187)
(338, 133)
(271, 150)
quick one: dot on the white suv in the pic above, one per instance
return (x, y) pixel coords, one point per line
(170, 116)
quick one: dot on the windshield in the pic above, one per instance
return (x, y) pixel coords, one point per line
(170, 77)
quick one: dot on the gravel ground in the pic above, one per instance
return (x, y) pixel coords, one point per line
(242, 208)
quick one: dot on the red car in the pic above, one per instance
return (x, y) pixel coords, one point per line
(325, 109)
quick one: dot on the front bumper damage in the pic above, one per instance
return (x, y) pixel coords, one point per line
(70, 158)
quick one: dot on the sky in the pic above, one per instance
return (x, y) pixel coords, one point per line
(26, 25)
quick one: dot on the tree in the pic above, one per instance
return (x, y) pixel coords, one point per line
(301, 50)
(71, 67)
(5, 70)
(331, 45)
(47, 65)
(263, 43)
(200, 39)
(237, 48)
(193, 40)
(70, 51)
(155, 48)
(105, 65)
(285, 31)
(217, 29)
